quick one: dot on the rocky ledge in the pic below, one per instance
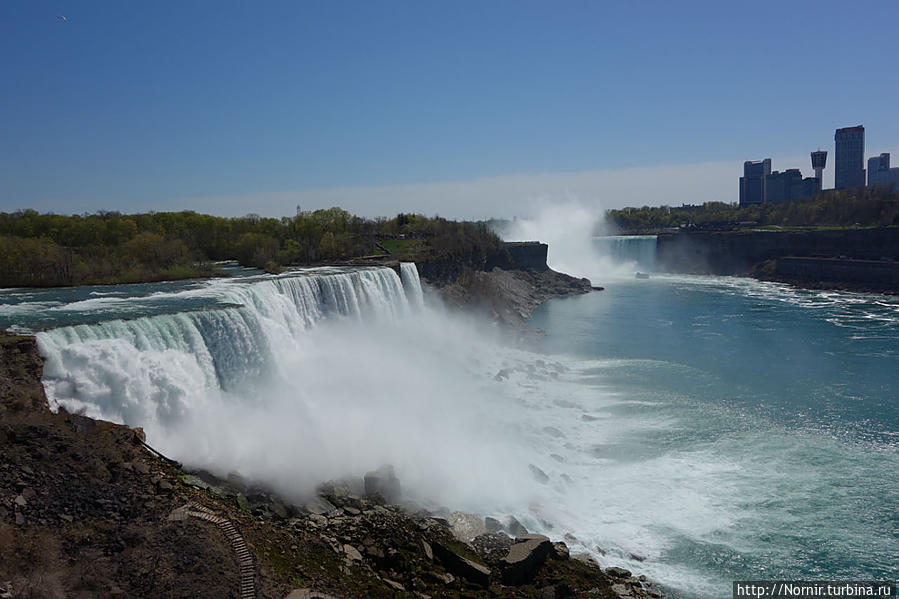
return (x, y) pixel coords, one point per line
(508, 297)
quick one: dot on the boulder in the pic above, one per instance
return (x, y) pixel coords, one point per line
(346, 487)
(383, 482)
(426, 549)
(616, 572)
(462, 566)
(492, 547)
(279, 509)
(515, 528)
(492, 524)
(352, 553)
(465, 527)
(526, 555)
(560, 551)
(319, 505)
(188, 479)
(585, 558)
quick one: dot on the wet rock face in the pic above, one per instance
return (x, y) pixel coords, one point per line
(492, 524)
(526, 555)
(383, 482)
(507, 296)
(21, 367)
(465, 527)
(515, 528)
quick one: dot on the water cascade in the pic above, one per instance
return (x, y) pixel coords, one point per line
(412, 283)
(152, 369)
(637, 252)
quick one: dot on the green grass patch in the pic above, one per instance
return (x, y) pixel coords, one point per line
(403, 248)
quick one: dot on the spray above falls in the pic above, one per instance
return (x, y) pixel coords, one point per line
(295, 379)
(571, 230)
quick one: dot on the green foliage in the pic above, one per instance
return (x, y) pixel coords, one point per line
(256, 249)
(108, 247)
(869, 207)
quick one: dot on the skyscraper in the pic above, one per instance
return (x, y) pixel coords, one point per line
(752, 183)
(849, 162)
(880, 173)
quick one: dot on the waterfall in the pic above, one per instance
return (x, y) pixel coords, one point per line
(412, 283)
(638, 252)
(155, 368)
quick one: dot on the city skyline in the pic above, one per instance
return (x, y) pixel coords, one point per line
(470, 112)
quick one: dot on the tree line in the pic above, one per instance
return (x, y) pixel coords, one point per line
(45, 249)
(866, 207)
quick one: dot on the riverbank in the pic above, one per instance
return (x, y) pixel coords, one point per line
(839, 274)
(863, 259)
(87, 508)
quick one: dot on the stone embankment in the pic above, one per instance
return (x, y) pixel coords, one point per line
(851, 259)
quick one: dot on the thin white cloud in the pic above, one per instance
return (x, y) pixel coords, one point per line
(500, 196)
(506, 196)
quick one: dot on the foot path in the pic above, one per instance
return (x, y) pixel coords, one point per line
(245, 559)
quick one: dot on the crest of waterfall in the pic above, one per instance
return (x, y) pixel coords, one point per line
(152, 369)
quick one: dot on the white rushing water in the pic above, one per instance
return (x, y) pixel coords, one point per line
(412, 284)
(296, 379)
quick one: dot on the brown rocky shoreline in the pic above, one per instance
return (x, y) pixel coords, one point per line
(507, 288)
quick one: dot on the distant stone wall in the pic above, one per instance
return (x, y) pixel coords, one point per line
(523, 255)
(876, 274)
(528, 255)
(735, 253)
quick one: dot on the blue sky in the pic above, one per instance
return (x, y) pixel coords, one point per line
(466, 109)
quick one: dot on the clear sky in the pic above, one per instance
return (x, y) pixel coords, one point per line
(466, 109)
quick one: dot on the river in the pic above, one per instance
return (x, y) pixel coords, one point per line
(694, 429)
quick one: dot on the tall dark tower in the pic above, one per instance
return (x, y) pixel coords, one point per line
(850, 157)
(819, 161)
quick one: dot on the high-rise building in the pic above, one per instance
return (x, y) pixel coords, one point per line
(879, 171)
(849, 161)
(789, 186)
(819, 161)
(752, 183)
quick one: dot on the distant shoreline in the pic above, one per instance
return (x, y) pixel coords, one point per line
(861, 260)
